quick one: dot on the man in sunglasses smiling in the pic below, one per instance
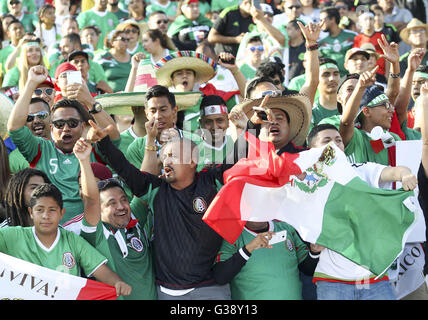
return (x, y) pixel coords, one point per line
(54, 156)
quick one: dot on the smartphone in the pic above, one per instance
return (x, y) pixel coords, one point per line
(231, 61)
(74, 77)
(279, 236)
(261, 113)
(256, 4)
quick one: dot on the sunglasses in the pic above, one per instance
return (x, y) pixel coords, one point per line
(122, 39)
(48, 91)
(72, 123)
(132, 30)
(259, 48)
(14, 2)
(162, 21)
(104, 183)
(273, 93)
(294, 7)
(41, 115)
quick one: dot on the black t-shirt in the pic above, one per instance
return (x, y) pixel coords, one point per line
(231, 23)
(185, 247)
(295, 61)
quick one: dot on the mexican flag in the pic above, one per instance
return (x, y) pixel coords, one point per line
(22, 280)
(319, 193)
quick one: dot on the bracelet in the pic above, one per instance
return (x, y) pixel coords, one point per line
(312, 48)
(151, 148)
(394, 75)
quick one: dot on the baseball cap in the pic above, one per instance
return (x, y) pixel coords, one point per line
(65, 66)
(353, 51)
(100, 171)
(77, 53)
(373, 96)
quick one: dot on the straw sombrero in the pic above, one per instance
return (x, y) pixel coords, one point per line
(5, 110)
(297, 106)
(143, 26)
(121, 103)
(204, 67)
(414, 23)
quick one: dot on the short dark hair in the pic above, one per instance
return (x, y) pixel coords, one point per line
(37, 100)
(317, 129)
(332, 12)
(422, 68)
(46, 190)
(251, 84)
(324, 60)
(254, 39)
(160, 91)
(74, 38)
(15, 21)
(269, 69)
(72, 103)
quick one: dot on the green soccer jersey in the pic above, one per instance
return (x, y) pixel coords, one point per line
(360, 150)
(4, 54)
(269, 273)
(319, 113)
(105, 21)
(116, 72)
(29, 21)
(69, 252)
(62, 168)
(212, 155)
(248, 71)
(27, 6)
(128, 252)
(11, 77)
(411, 134)
(126, 138)
(17, 161)
(170, 8)
(335, 48)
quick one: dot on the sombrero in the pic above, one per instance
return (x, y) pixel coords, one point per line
(142, 26)
(204, 67)
(414, 23)
(297, 106)
(121, 103)
(5, 110)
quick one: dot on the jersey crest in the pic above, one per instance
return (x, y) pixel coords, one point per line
(199, 205)
(68, 260)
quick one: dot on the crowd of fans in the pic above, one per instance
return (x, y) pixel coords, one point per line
(121, 116)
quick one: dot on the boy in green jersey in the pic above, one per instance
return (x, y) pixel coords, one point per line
(51, 247)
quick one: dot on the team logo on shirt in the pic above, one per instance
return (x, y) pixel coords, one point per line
(136, 244)
(68, 260)
(199, 205)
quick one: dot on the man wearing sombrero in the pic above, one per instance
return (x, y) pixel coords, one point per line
(414, 34)
(187, 71)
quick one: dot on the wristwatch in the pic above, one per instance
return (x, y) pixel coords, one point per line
(96, 107)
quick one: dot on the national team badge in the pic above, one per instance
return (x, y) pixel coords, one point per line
(199, 205)
(289, 245)
(136, 244)
(68, 260)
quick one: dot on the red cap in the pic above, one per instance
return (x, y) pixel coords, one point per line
(48, 82)
(65, 66)
(100, 171)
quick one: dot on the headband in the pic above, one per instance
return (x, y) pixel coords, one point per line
(419, 74)
(31, 44)
(214, 109)
(378, 100)
(328, 65)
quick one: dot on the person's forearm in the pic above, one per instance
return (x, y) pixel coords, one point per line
(11, 60)
(393, 86)
(215, 37)
(19, 114)
(240, 80)
(312, 73)
(349, 113)
(403, 98)
(90, 193)
(105, 275)
(150, 159)
(225, 271)
(272, 31)
(131, 80)
(393, 174)
(103, 119)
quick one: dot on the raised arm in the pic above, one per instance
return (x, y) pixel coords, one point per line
(403, 98)
(135, 61)
(236, 72)
(150, 162)
(352, 107)
(18, 116)
(391, 54)
(90, 194)
(260, 20)
(311, 33)
(421, 103)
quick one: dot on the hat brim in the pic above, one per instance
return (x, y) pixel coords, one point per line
(5, 111)
(298, 108)
(404, 34)
(122, 103)
(203, 71)
(362, 51)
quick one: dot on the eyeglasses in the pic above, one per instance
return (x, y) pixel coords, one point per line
(41, 115)
(132, 30)
(294, 7)
(103, 183)
(122, 39)
(14, 2)
(72, 123)
(417, 31)
(259, 48)
(387, 105)
(162, 21)
(48, 91)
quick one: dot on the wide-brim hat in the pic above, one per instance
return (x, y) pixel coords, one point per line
(414, 23)
(353, 51)
(142, 26)
(297, 106)
(370, 48)
(5, 111)
(203, 66)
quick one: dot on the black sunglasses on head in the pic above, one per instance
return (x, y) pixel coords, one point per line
(72, 123)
